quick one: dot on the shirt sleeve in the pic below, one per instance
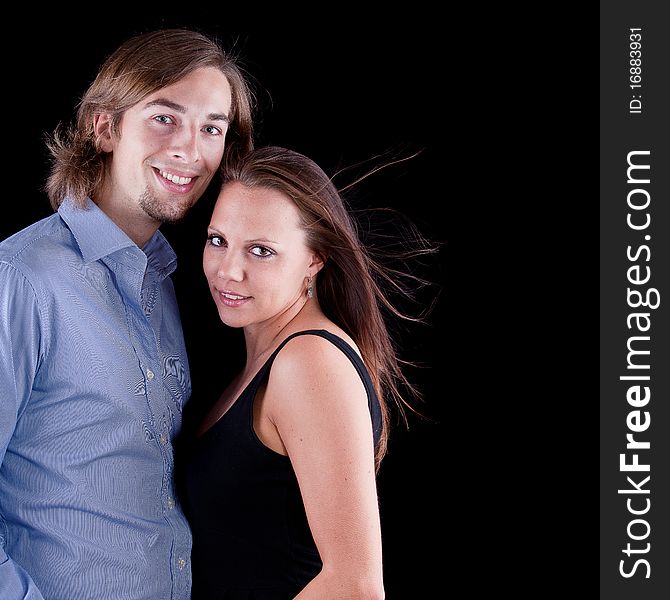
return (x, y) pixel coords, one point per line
(15, 583)
(20, 343)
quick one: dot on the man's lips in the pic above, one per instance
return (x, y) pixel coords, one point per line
(174, 178)
(174, 181)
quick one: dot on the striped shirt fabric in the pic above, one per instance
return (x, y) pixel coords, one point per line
(93, 379)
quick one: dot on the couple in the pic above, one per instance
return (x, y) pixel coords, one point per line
(280, 481)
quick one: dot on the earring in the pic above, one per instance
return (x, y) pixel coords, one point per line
(310, 289)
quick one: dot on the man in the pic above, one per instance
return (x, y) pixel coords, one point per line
(93, 369)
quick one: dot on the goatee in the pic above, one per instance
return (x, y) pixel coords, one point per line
(169, 211)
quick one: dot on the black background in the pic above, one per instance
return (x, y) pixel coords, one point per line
(495, 491)
(342, 91)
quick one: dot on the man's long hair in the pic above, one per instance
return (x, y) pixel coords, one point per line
(141, 66)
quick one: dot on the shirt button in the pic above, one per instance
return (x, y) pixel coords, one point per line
(170, 503)
(163, 438)
(181, 563)
(150, 374)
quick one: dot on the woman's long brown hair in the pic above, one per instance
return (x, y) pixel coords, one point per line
(352, 287)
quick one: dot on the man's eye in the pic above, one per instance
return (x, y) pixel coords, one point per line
(164, 119)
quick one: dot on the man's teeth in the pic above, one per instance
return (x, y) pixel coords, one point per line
(175, 179)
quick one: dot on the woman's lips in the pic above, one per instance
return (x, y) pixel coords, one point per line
(232, 299)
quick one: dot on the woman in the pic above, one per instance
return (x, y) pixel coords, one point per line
(281, 482)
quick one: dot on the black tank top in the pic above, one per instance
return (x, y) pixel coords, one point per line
(251, 538)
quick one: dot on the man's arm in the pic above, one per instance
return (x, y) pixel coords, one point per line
(20, 337)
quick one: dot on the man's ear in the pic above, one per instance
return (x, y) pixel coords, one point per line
(102, 127)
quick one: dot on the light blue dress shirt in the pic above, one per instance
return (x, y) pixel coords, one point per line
(93, 379)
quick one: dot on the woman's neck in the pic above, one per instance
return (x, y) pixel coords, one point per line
(262, 338)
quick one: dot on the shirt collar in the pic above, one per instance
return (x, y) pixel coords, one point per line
(98, 236)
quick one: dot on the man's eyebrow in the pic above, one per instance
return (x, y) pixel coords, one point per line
(182, 109)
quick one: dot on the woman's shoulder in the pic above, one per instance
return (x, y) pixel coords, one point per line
(313, 381)
(315, 359)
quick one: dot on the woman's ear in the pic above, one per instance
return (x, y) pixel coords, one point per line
(316, 264)
(102, 128)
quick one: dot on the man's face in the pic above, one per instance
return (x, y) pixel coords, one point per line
(168, 148)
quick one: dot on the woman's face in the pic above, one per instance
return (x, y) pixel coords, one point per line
(256, 259)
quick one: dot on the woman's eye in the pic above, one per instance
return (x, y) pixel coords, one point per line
(261, 251)
(215, 240)
(164, 119)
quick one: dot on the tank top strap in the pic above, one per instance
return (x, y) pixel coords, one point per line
(352, 355)
(336, 340)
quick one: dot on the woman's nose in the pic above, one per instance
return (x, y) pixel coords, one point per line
(230, 267)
